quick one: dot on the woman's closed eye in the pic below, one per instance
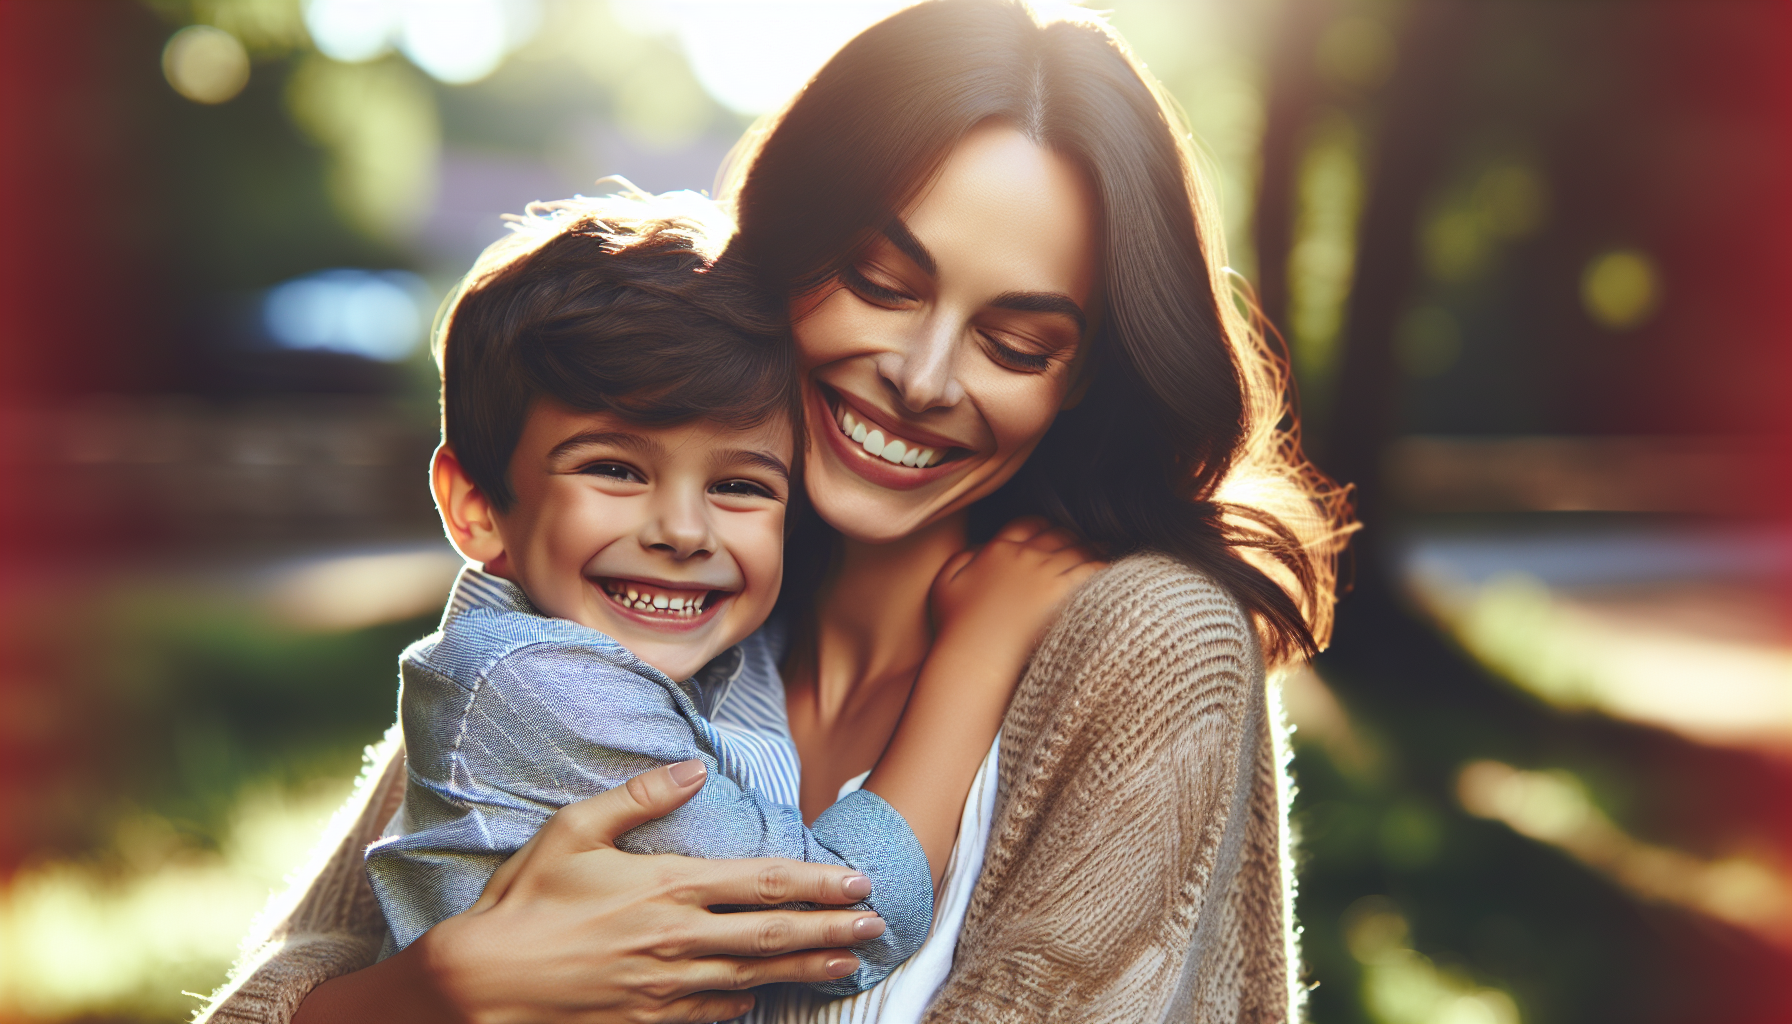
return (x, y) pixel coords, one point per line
(1013, 358)
(871, 291)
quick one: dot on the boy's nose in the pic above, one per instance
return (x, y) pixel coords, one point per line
(679, 528)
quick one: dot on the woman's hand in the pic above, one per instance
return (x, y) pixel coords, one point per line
(1008, 591)
(572, 929)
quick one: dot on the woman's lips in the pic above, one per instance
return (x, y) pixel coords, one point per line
(901, 472)
(892, 449)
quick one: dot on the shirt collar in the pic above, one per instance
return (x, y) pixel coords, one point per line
(476, 588)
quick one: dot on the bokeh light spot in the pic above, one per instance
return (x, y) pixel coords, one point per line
(352, 30)
(1374, 928)
(379, 123)
(1621, 289)
(1454, 246)
(205, 64)
(455, 41)
(374, 314)
(753, 57)
(1401, 986)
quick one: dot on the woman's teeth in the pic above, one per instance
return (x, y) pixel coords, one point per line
(651, 599)
(895, 449)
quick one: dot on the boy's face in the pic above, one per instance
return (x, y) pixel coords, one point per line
(670, 539)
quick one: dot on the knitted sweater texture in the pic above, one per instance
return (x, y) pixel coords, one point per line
(1137, 867)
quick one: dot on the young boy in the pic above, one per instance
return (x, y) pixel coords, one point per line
(619, 420)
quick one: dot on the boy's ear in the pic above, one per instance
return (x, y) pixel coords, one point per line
(466, 514)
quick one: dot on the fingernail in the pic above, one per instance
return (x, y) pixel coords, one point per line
(688, 773)
(841, 967)
(857, 887)
(867, 927)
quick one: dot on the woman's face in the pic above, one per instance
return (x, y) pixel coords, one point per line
(934, 364)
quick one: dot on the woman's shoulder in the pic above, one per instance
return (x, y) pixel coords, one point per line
(1148, 634)
(1155, 601)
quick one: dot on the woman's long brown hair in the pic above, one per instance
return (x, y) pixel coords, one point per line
(1183, 442)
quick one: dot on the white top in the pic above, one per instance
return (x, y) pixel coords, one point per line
(902, 997)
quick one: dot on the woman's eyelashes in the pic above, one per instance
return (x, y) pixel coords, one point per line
(871, 291)
(1013, 358)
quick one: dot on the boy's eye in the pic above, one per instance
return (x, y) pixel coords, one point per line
(613, 470)
(742, 489)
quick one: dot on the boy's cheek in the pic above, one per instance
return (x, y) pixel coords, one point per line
(760, 554)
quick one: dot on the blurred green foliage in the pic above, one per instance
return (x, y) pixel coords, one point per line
(185, 699)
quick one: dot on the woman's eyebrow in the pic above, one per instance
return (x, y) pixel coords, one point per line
(611, 438)
(906, 242)
(750, 456)
(1043, 302)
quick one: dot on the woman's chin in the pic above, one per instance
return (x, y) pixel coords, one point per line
(864, 512)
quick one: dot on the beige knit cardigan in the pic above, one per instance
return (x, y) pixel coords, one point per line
(1137, 867)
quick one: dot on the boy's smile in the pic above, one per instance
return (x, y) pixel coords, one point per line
(668, 538)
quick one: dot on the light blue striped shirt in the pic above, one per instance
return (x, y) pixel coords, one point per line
(509, 715)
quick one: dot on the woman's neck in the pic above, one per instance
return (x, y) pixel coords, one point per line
(871, 622)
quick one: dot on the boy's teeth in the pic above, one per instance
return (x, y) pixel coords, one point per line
(639, 600)
(894, 450)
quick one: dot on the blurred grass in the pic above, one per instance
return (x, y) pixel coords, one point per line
(187, 752)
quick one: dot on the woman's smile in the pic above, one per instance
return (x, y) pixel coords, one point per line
(884, 449)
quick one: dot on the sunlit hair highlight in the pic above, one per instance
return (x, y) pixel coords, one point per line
(1185, 441)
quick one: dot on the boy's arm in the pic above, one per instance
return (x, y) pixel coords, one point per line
(990, 606)
(551, 725)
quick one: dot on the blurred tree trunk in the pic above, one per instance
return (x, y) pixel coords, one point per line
(1410, 149)
(1293, 90)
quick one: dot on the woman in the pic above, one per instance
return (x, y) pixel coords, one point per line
(994, 245)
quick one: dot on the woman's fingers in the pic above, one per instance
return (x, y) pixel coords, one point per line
(763, 933)
(731, 973)
(766, 881)
(1024, 529)
(955, 565)
(596, 821)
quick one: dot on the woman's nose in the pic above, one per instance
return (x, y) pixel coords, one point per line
(680, 527)
(923, 372)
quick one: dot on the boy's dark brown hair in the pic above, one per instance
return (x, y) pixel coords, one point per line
(616, 305)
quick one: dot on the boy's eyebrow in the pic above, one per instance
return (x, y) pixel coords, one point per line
(614, 438)
(905, 241)
(751, 456)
